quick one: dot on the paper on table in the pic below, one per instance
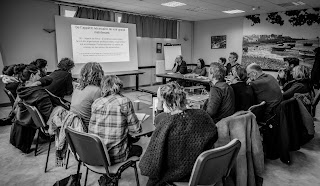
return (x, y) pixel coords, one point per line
(142, 116)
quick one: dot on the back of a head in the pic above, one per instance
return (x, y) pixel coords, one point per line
(19, 68)
(40, 63)
(255, 67)
(91, 74)
(174, 95)
(8, 70)
(300, 72)
(241, 72)
(292, 61)
(217, 70)
(66, 64)
(27, 71)
(110, 85)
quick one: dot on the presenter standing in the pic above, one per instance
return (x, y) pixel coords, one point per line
(180, 66)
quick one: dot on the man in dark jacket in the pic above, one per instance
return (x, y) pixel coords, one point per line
(180, 66)
(221, 102)
(265, 88)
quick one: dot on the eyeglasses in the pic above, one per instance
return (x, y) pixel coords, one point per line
(248, 74)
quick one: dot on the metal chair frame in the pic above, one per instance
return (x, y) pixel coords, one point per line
(39, 122)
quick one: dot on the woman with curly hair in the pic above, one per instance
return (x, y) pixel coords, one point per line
(87, 91)
(62, 79)
(179, 138)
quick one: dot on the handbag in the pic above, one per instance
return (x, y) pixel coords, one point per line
(22, 115)
(69, 181)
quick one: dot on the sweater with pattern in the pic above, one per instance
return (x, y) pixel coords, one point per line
(175, 145)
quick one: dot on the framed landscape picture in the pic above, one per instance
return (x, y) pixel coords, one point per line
(218, 42)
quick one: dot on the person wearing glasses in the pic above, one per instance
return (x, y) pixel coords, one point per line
(243, 92)
(265, 88)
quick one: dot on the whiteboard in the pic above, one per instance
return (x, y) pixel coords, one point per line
(170, 54)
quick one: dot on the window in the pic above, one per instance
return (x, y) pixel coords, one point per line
(68, 11)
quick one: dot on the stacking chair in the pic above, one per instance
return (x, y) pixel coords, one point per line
(11, 97)
(39, 122)
(59, 101)
(258, 110)
(213, 165)
(89, 149)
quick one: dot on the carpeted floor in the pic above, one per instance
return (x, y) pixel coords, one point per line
(17, 168)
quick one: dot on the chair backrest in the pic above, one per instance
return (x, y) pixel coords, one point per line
(214, 165)
(59, 101)
(10, 95)
(258, 110)
(35, 115)
(88, 147)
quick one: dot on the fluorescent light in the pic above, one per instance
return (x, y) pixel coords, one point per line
(298, 3)
(233, 11)
(173, 4)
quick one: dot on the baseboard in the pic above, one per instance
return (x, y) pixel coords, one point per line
(5, 104)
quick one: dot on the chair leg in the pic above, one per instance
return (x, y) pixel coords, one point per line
(45, 169)
(67, 158)
(37, 143)
(78, 171)
(136, 173)
(85, 181)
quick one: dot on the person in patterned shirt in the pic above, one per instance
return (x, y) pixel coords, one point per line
(113, 118)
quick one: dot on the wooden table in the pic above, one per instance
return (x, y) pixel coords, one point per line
(181, 76)
(121, 73)
(147, 126)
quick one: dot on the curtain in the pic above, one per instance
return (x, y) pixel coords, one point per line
(152, 27)
(95, 14)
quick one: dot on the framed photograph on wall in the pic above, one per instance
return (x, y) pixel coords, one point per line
(159, 47)
(218, 42)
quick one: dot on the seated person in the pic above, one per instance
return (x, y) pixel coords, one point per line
(301, 83)
(87, 91)
(285, 75)
(62, 79)
(180, 66)
(200, 69)
(243, 92)
(179, 138)
(265, 88)
(12, 76)
(232, 61)
(113, 118)
(41, 64)
(221, 102)
(222, 61)
(31, 93)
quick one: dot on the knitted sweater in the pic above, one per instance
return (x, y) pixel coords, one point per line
(175, 145)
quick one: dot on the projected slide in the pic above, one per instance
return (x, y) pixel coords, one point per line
(99, 44)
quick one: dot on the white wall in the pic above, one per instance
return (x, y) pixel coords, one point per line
(147, 55)
(23, 40)
(203, 30)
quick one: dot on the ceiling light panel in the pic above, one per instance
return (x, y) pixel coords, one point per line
(233, 11)
(173, 4)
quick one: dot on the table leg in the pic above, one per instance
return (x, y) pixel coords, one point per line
(164, 80)
(137, 81)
